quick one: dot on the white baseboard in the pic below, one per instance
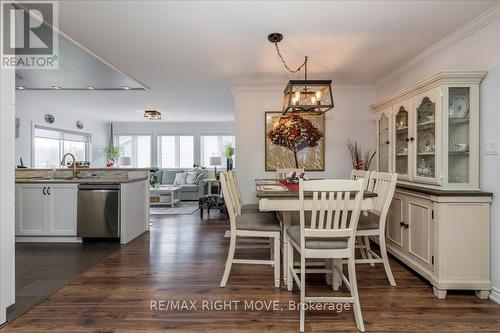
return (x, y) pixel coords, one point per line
(48, 239)
(495, 295)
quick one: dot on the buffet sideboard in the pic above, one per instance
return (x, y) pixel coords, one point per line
(439, 220)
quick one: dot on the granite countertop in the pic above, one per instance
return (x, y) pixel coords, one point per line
(83, 180)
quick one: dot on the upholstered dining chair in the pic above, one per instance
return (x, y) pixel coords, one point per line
(283, 173)
(328, 234)
(373, 223)
(251, 225)
(235, 188)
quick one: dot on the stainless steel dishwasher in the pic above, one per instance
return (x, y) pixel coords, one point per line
(98, 211)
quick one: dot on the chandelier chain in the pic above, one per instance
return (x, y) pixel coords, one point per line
(284, 63)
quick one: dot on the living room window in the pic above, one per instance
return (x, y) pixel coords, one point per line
(175, 151)
(213, 145)
(49, 146)
(137, 147)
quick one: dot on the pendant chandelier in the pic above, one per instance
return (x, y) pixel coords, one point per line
(303, 95)
(152, 114)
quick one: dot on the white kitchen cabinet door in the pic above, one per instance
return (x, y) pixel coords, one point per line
(31, 209)
(420, 230)
(395, 221)
(63, 205)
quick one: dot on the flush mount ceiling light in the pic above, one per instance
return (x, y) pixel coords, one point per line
(90, 87)
(20, 88)
(125, 88)
(303, 95)
(56, 87)
(152, 115)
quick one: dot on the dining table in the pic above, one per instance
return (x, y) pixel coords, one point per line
(277, 196)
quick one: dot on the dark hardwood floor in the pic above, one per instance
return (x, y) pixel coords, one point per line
(182, 258)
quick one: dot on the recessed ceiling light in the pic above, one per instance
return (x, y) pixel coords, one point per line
(20, 88)
(125, 88)
(56, 87)
(90, 88)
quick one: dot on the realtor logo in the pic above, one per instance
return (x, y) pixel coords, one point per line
(29, 38)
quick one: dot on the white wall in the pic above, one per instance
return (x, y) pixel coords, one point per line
(351, 118)
(154, 128)
(7, 193)
(478, 51)
(30, 113)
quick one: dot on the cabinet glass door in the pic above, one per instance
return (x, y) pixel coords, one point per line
(402, 140)
(383, 144)
(426, 139)
(458, 134)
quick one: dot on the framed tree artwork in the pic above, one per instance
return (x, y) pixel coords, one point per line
(295, 141)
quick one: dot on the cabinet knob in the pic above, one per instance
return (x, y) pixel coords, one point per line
(412, 139)
(48, 190)
(407, 140)
(387, 142)
(43, 190)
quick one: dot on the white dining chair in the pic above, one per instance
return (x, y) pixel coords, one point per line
(253, 225)
(361, 174)
(328, 234)
(283, 173)
(373, 224)
(235, 188)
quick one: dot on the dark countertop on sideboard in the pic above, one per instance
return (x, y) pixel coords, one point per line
(444, 193)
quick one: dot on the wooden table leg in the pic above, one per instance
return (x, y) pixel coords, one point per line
(287, 221)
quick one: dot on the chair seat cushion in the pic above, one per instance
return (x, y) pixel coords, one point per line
(250, 208)
(316, 243)
(257, 222)
(368, 222)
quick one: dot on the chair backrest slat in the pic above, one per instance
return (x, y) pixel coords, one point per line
(361, 174)
(229, 199)
(335, 208)
(384, 185)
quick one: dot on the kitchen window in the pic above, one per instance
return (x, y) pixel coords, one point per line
(50, 145)
(175, 151)
(213, 145)
(137, 147)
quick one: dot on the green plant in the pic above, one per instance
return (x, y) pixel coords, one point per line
(228, 150)
(111, 152)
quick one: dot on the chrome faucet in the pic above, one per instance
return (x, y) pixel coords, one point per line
(63, 163)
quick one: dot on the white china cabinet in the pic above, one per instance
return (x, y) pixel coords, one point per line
(429, 132)
(439, 220)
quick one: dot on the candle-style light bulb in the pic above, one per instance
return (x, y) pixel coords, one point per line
(313, 100)
(297, 97)
(318, 96)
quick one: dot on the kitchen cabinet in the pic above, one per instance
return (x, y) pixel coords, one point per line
(46, 209)
(432, 137)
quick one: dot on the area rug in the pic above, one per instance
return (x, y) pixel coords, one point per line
(185, 208)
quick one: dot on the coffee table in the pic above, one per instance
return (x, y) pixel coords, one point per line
(171, 192)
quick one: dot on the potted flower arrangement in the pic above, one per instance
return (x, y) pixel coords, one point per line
(112, 153)
(360, 161)
(294, 177)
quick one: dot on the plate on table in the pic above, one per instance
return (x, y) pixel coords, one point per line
(459, 107)
(271, 188)
(266, 181)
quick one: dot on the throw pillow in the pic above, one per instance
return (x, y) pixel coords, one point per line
(202, 174)
(180, 178)
(191, 177)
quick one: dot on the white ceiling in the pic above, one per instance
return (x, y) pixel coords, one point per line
(189, 53)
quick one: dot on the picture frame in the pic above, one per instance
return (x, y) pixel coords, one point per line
(309, 158)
